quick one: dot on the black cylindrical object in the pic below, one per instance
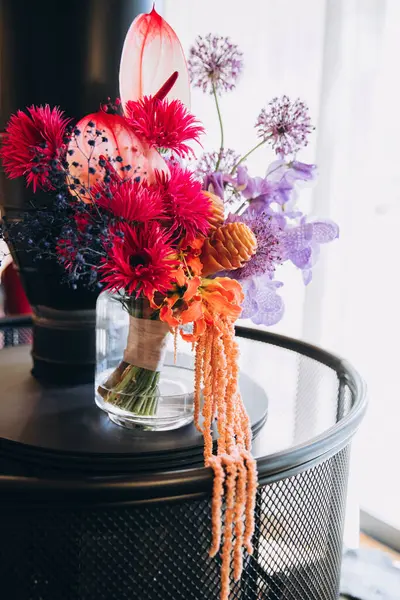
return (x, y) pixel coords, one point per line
(65, 54)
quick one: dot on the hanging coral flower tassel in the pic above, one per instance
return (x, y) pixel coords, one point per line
(216, 373)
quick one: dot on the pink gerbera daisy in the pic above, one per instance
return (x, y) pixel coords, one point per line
(130, 200)
(140, 260)
(187, 208)
(163, 123)
(32, 142)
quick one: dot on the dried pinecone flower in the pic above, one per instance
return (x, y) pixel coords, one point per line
(287, 124)
(214, 64)
(228, 248)
(217, 210)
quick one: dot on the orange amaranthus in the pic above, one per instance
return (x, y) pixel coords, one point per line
(213, 305)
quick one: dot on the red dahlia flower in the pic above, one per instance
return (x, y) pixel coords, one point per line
(163, 123)
(130, 200)
(140, 260)
(32, 142)
(188, 210)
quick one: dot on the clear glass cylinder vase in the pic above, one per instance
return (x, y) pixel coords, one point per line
(140, 380)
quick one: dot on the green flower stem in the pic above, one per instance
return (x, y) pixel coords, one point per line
(221, 146)
(243, 158)
(137, 391)
(129, 387)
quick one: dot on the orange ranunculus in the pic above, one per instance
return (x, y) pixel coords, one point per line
(204, 301)
(152, 52)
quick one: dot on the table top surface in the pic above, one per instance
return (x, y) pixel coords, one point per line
(310, 411)
(64, 424)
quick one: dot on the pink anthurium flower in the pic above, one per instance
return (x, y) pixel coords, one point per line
(152, 52)
(102, 138)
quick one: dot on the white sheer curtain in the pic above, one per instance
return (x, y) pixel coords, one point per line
(341, 57)
(353, 305)
(353, 309)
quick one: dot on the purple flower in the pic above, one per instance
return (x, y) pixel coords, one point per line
(287, 124)
(279, 187)
(214, 183)
(214, 63)
(261, 303)
(299, 171)
(208, 162)
(261, 192)
(267, 257)
(219, 182)
(301, 243)
(291, 171)
(253, 187)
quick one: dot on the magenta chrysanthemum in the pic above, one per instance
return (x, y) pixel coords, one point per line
(130, 200)
(32, 142)
(163, 124)
(215, 63)
(287, 124)
(187, 208)
(140, 260)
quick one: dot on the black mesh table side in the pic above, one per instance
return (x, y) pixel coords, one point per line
(159, 550)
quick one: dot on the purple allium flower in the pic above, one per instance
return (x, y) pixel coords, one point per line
(301, 243)
(261, 303)
(268, 254)
(214, 63)
(207, 163)
(286, 123)
(219, 182)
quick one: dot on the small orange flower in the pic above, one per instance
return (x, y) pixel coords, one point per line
(191, 255)
(203, 301)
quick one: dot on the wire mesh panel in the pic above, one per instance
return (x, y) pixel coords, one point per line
(306, 396)
(15, 331)
(160, 551)
(300, 533)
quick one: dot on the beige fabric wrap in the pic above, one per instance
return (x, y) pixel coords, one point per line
(147, 343)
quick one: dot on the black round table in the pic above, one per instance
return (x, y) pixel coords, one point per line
(90, 511)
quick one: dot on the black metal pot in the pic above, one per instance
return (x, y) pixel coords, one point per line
(65, 54)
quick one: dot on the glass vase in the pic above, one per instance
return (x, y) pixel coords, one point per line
(140, 380)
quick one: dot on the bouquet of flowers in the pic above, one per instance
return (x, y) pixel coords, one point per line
(185, 250)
